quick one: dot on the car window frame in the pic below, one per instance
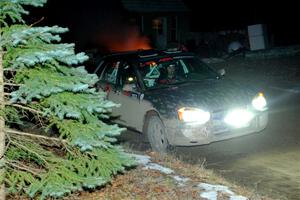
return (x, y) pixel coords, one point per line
(133, 64)
(122, 61)
(180, 56)
(98, 68)
(106, 67)
(199, 59)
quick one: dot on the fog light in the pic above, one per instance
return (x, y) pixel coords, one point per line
(259, 102)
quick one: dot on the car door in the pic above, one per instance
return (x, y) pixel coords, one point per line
(120, 82)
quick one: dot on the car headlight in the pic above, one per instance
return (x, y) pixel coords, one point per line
(259, 102)
(239, 118)
(193, 115)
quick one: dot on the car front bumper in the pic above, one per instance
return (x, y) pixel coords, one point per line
(184, 135)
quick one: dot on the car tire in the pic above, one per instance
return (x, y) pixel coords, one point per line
(156, 133)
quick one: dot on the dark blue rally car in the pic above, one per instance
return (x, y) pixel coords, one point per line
(176, 99)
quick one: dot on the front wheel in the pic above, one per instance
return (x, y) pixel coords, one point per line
(156, 133)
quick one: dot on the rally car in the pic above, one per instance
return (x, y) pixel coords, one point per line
(175, 99)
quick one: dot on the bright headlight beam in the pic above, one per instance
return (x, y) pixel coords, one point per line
(259, 102)
(239, 118)
(193, 115)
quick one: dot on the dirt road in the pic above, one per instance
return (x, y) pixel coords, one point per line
(267, 162)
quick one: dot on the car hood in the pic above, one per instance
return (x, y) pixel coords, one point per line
(209, 95)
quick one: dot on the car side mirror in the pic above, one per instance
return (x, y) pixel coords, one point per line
(222, 72)
(129, 87)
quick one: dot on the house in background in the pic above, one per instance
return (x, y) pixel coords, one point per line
(164, 22)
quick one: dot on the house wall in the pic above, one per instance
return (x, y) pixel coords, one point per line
(183, 27)
(174, 22)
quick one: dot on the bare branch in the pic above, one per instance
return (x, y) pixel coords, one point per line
(25, 108)
(9, 69)
(21, 166)
(7, 145)
(34, 135)
(31, 25)
(13, 84)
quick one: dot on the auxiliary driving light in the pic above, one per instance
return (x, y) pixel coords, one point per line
(259, 102)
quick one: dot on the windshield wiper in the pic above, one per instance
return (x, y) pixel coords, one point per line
(178, 83)
(203, 79)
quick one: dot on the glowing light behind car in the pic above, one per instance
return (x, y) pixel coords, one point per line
(259, 102)
(239, 118)
(193, 115)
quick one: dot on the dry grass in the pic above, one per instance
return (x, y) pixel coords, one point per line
(150, 184)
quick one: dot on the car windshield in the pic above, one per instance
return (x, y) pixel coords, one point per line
(174, 70)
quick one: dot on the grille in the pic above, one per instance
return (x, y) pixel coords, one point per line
(218, 124)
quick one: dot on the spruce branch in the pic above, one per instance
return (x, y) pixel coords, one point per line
(31, 151)
(44, 83)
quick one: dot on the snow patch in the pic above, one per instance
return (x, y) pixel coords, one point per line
(141, 159)
(211, 192)
(217, 188)
(158, 167)
(237, 197)
(211, 195)
(146, 162)
(180, 180)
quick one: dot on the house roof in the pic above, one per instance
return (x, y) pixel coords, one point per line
(146, 6)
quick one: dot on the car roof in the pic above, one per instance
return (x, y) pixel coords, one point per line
(146, 55)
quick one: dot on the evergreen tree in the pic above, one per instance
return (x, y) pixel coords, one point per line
(40, 83)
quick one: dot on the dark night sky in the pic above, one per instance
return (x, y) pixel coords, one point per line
(86, 17)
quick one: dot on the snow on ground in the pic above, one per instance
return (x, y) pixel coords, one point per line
(141, 159)
(158, 167)
(180, 180)
(146, 162)
(210, 191)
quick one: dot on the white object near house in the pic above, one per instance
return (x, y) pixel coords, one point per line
(234, 46)
(257, 36)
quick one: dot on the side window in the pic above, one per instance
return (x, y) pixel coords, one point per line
(111, 72)
(127, 75)
(99, 68)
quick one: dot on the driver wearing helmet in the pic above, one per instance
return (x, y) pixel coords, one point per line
(169, 75)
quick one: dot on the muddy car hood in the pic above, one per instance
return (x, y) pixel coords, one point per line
(210, 95)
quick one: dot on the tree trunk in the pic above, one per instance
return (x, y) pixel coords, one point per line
(2, 126)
